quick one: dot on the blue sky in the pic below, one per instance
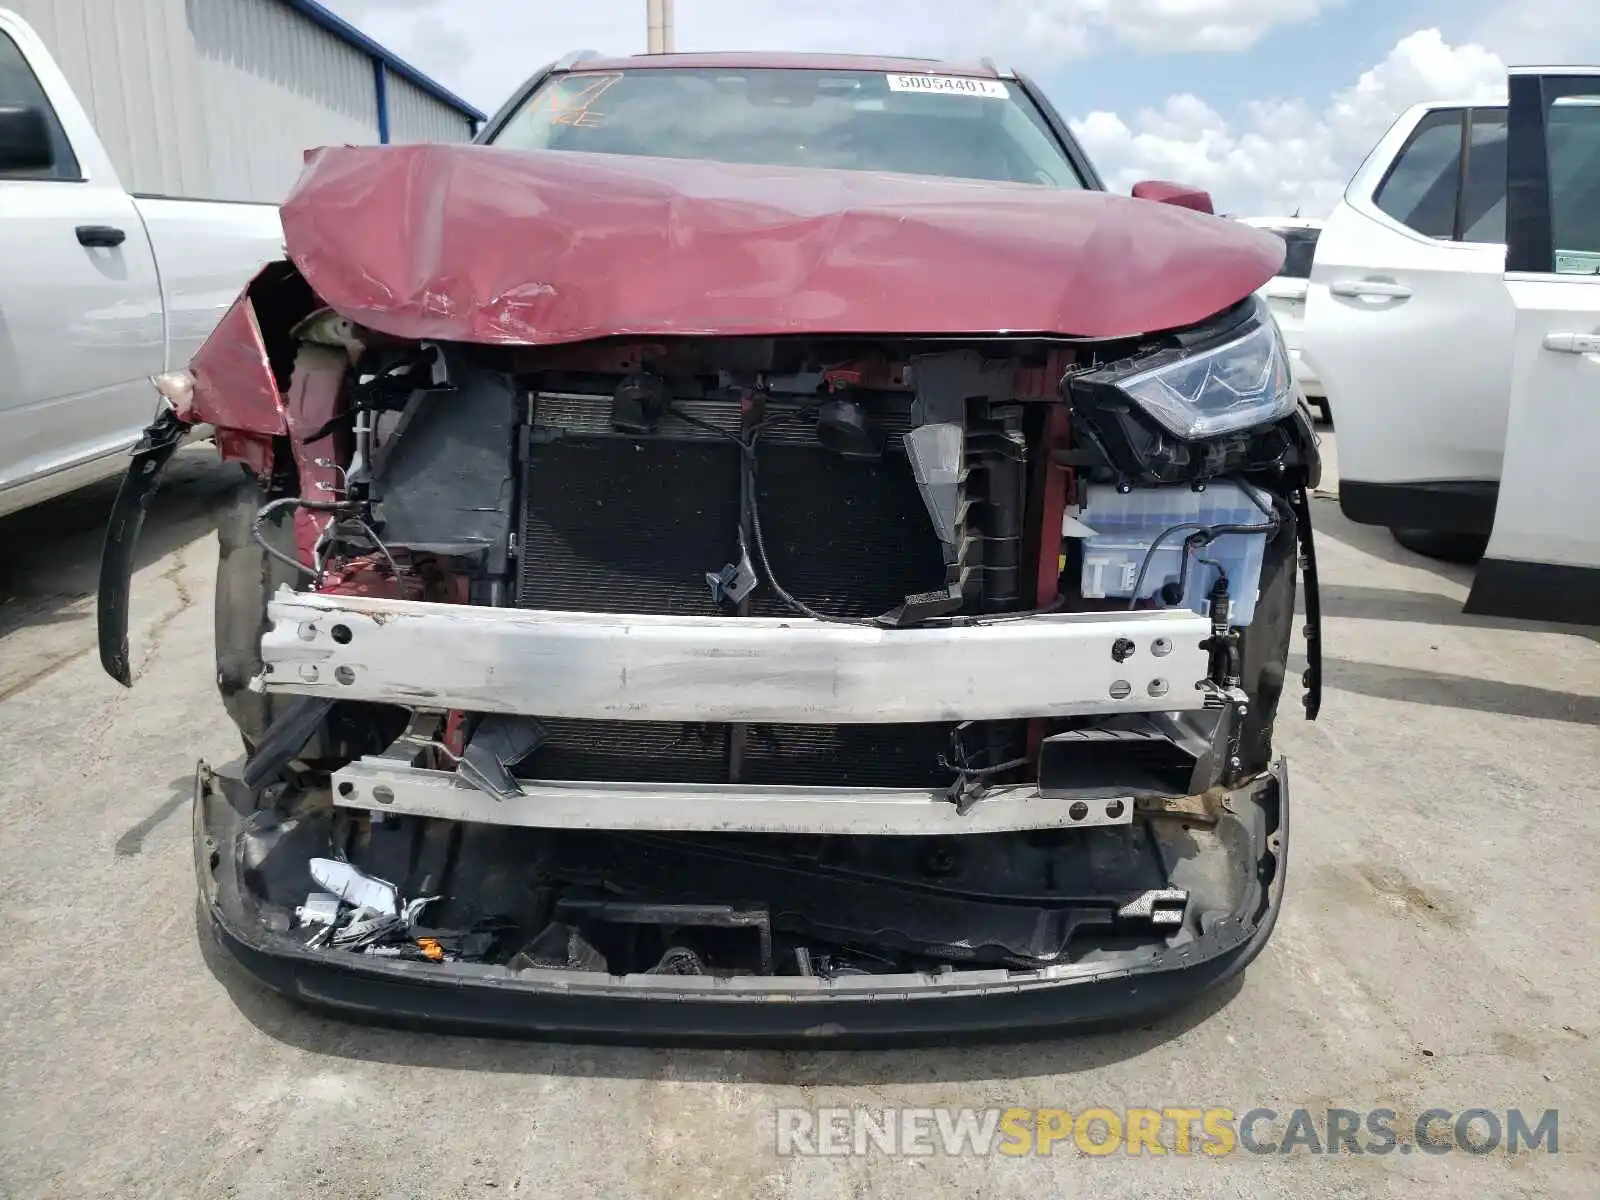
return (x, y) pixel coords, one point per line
(1269, 103)
(1310, 58)
(1305, 59)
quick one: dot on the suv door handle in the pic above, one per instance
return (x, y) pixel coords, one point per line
(100, 235)
(1573, 343)
(1369, 287)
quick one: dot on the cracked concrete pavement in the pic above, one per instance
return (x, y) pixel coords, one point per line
(1438, 947)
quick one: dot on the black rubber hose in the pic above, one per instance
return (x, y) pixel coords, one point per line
(258, 534)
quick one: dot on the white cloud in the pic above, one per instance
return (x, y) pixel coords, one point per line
(1542, 31)
(1286, 155)
(1200, 24)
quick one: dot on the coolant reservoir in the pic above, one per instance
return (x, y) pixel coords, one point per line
(1125, 525)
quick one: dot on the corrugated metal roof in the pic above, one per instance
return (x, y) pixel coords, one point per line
(346, 32)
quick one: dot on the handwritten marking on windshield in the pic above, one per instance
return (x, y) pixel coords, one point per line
(571, 102)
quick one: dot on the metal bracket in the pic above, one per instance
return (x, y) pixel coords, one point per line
(1159, 906)
(736, 580)
(387, 784)
(1203, 809)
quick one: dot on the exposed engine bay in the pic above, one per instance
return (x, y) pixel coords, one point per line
(746, 658)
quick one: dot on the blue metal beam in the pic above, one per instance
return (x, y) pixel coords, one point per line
(380, 89)
(350, 35)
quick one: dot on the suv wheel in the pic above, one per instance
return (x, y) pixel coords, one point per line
(1465, 548)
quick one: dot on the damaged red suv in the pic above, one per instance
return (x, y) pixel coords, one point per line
(757, 548)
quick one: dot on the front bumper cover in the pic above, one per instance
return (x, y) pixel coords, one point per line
(1117, 988)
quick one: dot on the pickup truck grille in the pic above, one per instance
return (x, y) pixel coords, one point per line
(625, 524)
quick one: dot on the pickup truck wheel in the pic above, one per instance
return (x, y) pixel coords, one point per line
(246, 576)
(1465, 548)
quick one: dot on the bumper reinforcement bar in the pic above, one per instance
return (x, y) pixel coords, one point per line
(728, 669)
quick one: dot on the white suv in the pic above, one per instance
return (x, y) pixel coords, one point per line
(1409, 327)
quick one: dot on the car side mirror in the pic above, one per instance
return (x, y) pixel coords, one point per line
(25, 139)
(1175, 194)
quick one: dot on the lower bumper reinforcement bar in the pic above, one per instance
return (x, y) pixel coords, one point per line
(721, 669)
(382, 786)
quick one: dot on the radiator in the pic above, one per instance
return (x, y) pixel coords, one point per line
(614, 523)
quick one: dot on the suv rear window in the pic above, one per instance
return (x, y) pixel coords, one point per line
(1431, 190)
(850, 120)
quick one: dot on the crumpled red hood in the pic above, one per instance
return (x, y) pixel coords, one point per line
(475, 244)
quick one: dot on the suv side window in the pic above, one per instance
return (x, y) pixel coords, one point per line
(1435, 190)
(1573, 133)
(1483, 193)
(19, 85)
(1420, 189)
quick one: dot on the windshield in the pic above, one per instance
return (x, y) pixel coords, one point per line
(850, 120)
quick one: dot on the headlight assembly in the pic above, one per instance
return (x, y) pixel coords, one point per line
(1203, 393)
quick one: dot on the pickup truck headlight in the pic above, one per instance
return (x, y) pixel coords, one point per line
(1203, 393)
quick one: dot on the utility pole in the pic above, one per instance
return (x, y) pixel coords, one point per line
(658, 18)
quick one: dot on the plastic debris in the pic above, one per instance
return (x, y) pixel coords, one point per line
(361, 914)
(431, 950)
(498, 744)
(559, 946)
(320, 908)
(938, 461)
(355, 887)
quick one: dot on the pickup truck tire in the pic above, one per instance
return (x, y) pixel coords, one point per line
(1465, 548)
(246, 576)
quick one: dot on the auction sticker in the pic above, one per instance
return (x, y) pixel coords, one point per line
(949, 85)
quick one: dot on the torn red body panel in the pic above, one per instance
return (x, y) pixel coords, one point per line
(312, 402)
(254, 450)
(476, 244)
(233, 384)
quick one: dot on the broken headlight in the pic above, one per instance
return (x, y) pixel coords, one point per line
(1201, 393)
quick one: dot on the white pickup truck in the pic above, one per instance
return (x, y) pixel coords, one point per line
(99, 289)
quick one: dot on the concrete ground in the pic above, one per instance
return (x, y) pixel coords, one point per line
(1438, 948)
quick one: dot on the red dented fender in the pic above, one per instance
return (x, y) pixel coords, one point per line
(477, 244)
(233, 384)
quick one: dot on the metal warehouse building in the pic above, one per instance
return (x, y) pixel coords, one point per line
(218, 99)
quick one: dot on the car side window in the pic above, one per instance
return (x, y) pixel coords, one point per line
(19, 86)
(1573, 147)
(1421, 187)
(1430, 187)
(1483, 195)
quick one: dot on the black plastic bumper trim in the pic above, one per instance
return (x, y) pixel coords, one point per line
(1454, 507)
(425, 997)
(156, 445)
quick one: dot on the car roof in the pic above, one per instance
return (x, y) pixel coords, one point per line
(749, 59)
